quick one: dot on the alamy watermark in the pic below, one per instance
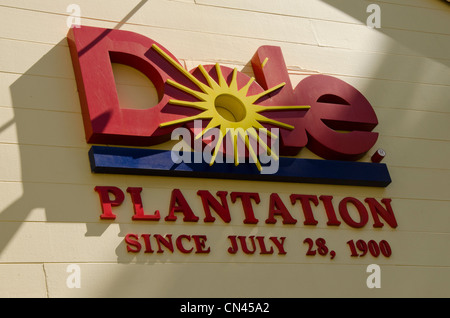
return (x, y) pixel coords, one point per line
(374, 279)
(257, 146)
(74, 20)
(74, 278)
(374, 19)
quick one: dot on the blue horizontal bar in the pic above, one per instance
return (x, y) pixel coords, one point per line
(138, 161)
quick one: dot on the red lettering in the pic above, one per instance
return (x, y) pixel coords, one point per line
(221, 209)
(349, 209)
(139, 213)
(107, 203)
(234, 246)
(233, 249)
(179, 204)
(105, 122)
(386, 213)
(180, 245)
(243, 241)
(246, 198)
(148, 246)
(343, 211)
(270, 70)
(133, 245)
(329, 209)
(262, 246)
(278, 244)
(336, 105)
(200, 244)
(277, 207)
(306, 206)
(165, 241)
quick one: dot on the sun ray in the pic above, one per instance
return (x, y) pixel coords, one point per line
(233, 136)
(216, 148)
(251, 151)
(212, 84)
(199, 95)
(185, 120)
(275, 108)
(233, 83)
(245, 123)
(266, 92)
(222, 81)
(244, 90)
(274, 122)
(212, 124)
(264, 130)
(198, 105)
(261, 142)
(264, 62)
(180, 68)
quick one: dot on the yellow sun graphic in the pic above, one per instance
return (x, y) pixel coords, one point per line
(229, 109)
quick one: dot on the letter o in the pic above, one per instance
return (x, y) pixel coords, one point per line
(343, 211)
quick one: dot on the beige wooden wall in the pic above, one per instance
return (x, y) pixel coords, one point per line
(49, 212)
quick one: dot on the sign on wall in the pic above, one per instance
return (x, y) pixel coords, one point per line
(231, 126)
(234, 126)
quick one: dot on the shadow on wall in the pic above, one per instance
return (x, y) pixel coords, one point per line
(57, 183)
(408, 26)
(409, 60)
(49, 163)
(51, 147)
(48, 173)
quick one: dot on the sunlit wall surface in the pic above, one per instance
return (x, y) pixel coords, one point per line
(53, 242)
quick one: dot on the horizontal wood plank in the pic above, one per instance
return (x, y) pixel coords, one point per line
(261, 281)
